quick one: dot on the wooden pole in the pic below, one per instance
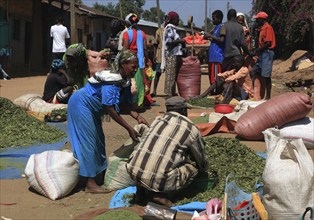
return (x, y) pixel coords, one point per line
(158, 13)
(73, 28)
(206, 16)
(120, 8)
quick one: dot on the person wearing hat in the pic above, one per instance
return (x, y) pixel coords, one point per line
(58, 86)
(135, 40)
(162, 164)
(265, 52)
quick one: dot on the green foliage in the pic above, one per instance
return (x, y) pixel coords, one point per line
(152, 15)
(293, 22)
(225, 156)
(17, 128)
(127, 6)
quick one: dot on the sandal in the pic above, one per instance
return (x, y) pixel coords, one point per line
(101, 190)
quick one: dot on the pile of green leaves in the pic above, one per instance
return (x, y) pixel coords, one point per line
(200, 119)
(202, 102)
(17, 128)
(225, 156)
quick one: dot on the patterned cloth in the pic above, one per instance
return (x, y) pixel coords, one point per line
(170, 155)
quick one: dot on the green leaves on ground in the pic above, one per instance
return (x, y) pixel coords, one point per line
(225, 156)
(202, 102)
(17, 128)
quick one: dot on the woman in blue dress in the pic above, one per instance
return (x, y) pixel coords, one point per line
(105, 93)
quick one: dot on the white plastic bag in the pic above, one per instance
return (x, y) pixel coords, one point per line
(53, 174)
(288, 177)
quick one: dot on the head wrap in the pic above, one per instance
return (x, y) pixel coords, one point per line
(242, 14)
(122, 57)
(262, 15)
(131, 19)
(57, 64)
(172, 15)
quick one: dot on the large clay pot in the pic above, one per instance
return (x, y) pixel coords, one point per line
(189, 78)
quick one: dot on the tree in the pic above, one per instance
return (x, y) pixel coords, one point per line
(128, 6)
(293, 22)
(151, 15)
(78, 2)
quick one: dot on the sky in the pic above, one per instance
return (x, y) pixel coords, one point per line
(186, 8)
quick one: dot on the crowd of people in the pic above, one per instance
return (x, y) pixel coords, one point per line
(125, 87)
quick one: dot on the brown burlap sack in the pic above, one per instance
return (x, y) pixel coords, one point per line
(277, 111)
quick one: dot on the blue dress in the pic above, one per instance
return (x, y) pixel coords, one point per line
(85, 108)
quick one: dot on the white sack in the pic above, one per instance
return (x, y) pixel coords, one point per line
(53, 174)
(34, 102)
(288, 177)
(303, 128)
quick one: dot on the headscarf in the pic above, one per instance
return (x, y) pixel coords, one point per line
(57, 64)
(122, 57)
(242, 14)
(172, 15)
(131, 19)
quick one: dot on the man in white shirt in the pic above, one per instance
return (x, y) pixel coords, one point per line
(60, 39)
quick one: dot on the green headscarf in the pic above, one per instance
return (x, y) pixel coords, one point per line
(123, 56)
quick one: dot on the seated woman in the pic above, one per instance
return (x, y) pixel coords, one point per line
(237, 82)
(234, 83)
(58, 87)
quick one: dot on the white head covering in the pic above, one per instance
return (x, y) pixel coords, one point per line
(242, 14)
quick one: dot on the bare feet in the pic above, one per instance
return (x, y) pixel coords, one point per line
(92, 187)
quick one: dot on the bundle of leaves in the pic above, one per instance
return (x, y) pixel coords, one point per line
(202, 102)
(200, 119)
(225, 156)
(17, 128)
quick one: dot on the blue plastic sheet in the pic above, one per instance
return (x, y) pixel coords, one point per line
(14, 159)
(117, 201)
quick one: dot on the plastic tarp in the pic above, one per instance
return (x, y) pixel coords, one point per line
(13, 160)
(118, 201)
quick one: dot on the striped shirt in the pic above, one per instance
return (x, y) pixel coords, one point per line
(169, 156)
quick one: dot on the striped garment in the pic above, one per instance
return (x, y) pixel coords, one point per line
(169, 156)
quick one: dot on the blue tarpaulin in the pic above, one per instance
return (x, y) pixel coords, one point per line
(13, 160)
(118, 201)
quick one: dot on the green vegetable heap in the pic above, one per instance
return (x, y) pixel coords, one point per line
(17, 128)
(202, 102)
(224, 156)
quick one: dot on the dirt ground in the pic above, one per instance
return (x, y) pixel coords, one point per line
(17, 201)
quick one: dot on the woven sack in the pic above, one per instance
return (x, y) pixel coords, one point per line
(53, 174)
(34, 103)
(117, 176)
(303, 128)
(189, 78)
(277, 111)
(288, 177)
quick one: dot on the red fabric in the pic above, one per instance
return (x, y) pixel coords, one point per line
(224, 125)
(133, 45)
(267, 34)
(211, 69)
(261, 15)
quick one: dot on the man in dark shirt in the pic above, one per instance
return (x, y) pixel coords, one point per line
(58, 87)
